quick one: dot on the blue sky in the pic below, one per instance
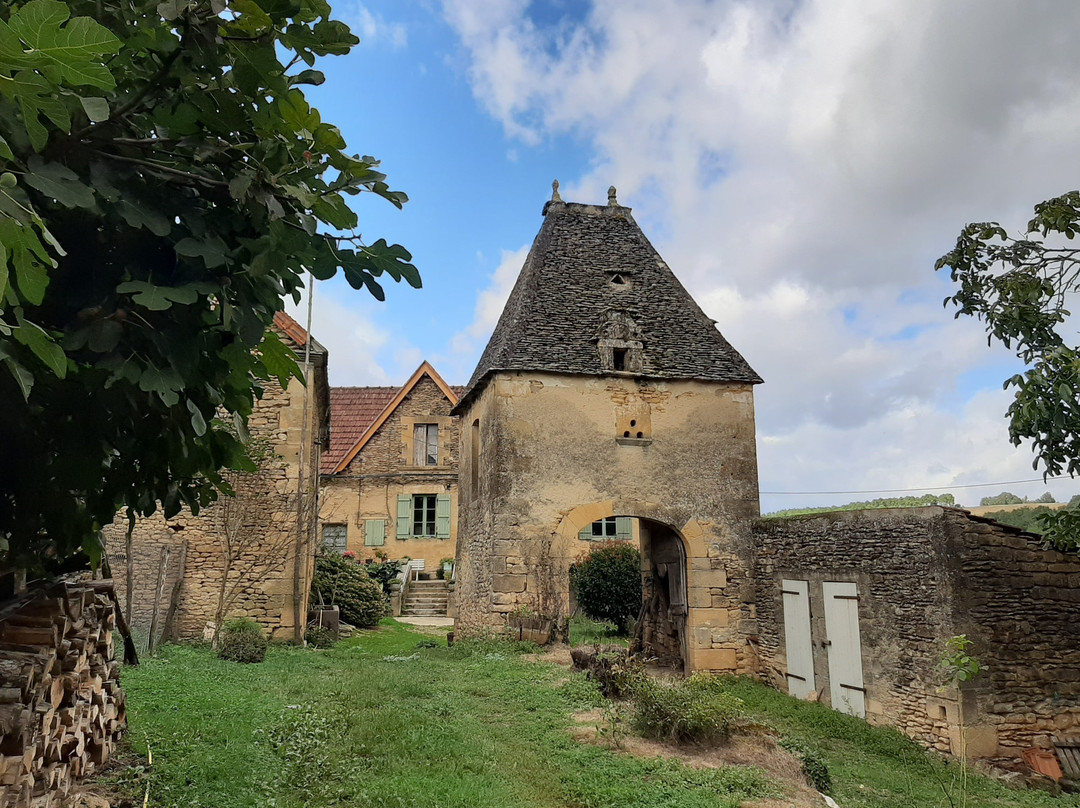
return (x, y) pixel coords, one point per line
(800, 166)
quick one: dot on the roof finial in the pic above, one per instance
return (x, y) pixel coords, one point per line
(555, 191)
(611, 200)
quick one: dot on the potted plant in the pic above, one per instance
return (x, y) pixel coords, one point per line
(529, 626)
(446, 569)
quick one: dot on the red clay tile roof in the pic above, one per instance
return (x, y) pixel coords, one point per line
(352, 411)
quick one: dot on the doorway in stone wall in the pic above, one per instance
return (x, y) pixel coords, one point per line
(660, 630)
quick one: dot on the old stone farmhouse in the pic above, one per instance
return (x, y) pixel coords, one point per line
(253, 553)
(390, 477)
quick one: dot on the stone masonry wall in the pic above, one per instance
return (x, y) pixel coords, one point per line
(559, 452)
(896, 558)
(270, 514)
(1021, 606)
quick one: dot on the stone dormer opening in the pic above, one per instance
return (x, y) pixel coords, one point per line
(619, 344)
(619, 280)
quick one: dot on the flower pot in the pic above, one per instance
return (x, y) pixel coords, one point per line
(531, 628)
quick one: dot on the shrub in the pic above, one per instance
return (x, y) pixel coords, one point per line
(344, 583)
(813, 767)
(608, 583)
(695, 709)
(242, 640)
(319, 637)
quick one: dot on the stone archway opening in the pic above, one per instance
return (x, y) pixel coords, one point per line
(660, 632)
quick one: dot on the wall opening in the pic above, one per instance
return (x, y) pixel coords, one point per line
(659, 633)
(474, 456)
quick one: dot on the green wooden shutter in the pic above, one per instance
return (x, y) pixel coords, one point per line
(624, 527)
(585, 534)
(374, 532)
(442, 516)
(404, 516)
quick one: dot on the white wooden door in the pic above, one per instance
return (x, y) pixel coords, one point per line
(800, 651)
(845, 648)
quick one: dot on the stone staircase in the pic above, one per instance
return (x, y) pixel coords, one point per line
(426, 599)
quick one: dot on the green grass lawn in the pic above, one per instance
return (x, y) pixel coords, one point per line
(385, 719)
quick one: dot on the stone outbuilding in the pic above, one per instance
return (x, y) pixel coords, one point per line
(605, 395)
(178, 564)
(856, 608)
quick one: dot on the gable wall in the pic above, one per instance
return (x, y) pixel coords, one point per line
(369, 487)
(194, 549)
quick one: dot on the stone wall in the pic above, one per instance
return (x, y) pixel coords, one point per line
(369, 486)
(554, 456)
(1021, 606)
(265, 515)
(925, 575)
(896, 557)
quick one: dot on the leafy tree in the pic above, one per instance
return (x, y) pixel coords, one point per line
(344, 583)
(164, 183)
(1046, 498)
(1019, 287)
(1004, 498)
(607, 583)
(1029, 519)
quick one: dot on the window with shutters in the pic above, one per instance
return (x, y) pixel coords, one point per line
(335, 538)
(426, 445)
(422, 516)
(610, 528)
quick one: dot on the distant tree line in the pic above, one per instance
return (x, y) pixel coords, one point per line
(888, 502)
(1008, 498)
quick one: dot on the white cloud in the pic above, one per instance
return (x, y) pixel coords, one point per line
(354, 340)
(801, 165)
(370, 27)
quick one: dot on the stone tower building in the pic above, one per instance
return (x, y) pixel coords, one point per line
(607, 403)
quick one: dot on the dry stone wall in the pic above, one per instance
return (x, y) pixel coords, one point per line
(1021, 605)
(265, 514)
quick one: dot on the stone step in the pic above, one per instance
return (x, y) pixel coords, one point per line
(427, 584)
(423, 613)
(432, 603)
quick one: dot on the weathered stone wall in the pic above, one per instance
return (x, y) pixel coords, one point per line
(925, 575)
(271, 515)
(369, 487)
(897, 559)
(1021, 606)
(555, 456)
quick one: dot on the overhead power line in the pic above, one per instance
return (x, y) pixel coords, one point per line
(928, 488)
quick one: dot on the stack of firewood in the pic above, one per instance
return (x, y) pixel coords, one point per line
(61, 706)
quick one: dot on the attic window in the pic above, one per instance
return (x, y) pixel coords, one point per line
(618, 279)
(618, 358)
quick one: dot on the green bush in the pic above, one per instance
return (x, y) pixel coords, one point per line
(607, 583)
(344, 583)
(696, 709)
(242, 640)
(319, 637)
(813, 767)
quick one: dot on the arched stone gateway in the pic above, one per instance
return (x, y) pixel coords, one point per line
(604, 383)
(662, 630)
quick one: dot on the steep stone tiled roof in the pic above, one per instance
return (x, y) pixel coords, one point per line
(567, 291)
(294, 331)
(352, 411)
